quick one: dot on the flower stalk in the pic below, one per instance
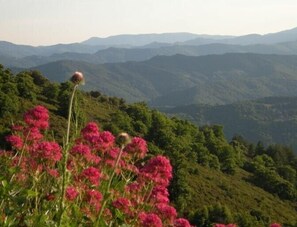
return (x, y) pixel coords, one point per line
(77, 78)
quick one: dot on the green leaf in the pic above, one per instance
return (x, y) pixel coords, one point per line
(4, 183)
(31, 193)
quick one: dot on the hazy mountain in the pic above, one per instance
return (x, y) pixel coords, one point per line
(271, 120)
(271, 38)
(142, 39)
(178, 80)
(194, 39)
(111, 55)
(19, 51)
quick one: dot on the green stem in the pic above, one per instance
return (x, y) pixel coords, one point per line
(70, 113)
(65, 157)
(109, 184)
(21, 155)
(36, 199)
(35, 185)
(114, 170)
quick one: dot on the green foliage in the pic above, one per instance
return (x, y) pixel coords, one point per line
(9, 104)
(212, 214)
(217, 145)
(267, 178)
(9, 100)
(288, 173)
(51, 91)
(270, 120)
(201, 157)
(63, 97)
(26, 86)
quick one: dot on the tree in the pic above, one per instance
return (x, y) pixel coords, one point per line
(38, 79)
(26, 86)
(51, 91)
(9, 104)
(212, 214)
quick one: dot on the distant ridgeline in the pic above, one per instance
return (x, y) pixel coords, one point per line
(184, 80)
(270, 120)
(214, 180)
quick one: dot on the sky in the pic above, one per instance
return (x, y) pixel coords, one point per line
(47, 22)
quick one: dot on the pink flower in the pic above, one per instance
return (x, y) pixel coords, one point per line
(137, 146)
(15, 141)
(90, 132)
(113, 153)
(105, 140)
(123, 205)
(50, 197)
(94, 198)
(83, 150)
(50, 151)
(149, 220)
(92, 174)
(181, 222)
(53, 172)
(158, 169)
(33, 134)
(160, 194)
(94, 159)
(37, 117)
(219, 225)
(17, 128)
(71, 193)
(133, 187)
(107, 214)
(166, 211)
(275, 225)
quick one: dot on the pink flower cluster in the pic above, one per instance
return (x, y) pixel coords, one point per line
(158, 170)
(275, 225)
(223, 225)
(94, 157)
(234, 225)
(37, 117)
(36, 154)
(137, 147)
(102, 177)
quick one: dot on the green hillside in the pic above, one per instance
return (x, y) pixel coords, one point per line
(182, 80)
(271, 120)
(214, 180)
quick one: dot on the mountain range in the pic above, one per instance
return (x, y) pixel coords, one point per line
(122, 48)
(114, 55)
(180, 80)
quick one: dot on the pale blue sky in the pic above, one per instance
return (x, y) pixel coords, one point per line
(44, 22)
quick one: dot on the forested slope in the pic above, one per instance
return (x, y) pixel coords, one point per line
(214, 180)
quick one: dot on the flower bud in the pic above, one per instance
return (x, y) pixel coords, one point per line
(123, 139)
(77, 78)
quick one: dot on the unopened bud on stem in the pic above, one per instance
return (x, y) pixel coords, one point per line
(77, 78)
(123, 139)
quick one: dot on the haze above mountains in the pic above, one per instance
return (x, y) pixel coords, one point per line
(178, 69)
